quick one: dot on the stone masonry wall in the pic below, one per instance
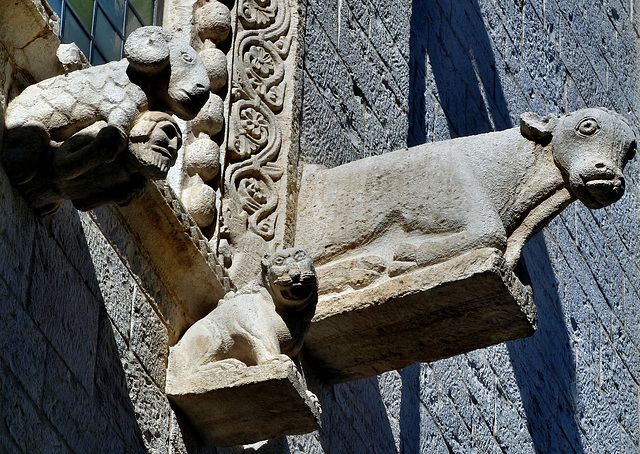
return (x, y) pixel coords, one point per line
(388, 74)
(82, 348)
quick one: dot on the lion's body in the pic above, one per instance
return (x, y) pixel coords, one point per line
(263, 322)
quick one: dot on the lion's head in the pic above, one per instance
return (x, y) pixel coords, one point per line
(291, 279)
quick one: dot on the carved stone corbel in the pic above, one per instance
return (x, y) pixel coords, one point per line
(232, 372)
(98, 135)
(415, 249)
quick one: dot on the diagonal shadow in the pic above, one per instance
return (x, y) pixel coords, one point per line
(544, 364)
(452, 60)
(461, 62)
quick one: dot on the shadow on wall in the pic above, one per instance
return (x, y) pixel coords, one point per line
(544, 364)
(62, 384)
(451, 59)
(354, 418)
(453, 36)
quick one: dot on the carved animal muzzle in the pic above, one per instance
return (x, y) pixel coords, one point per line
(296, 286)
(591, 147)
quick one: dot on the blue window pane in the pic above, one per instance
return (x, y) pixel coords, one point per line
(132, 22)
(96, 58)
(84, 11)
(56, 5)
(106, 38)
(72, 32)
(115, 10)
(144, 8)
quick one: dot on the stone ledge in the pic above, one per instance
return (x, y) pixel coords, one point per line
(245, 405)
(175, 247)
(468, 302)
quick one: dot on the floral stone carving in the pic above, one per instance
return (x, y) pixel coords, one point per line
(99, 134)
(402, 213)
(253, 333)
(261, 157)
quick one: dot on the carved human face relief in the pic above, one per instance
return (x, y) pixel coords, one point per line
(155, 155)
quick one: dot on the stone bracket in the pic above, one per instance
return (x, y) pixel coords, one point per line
(468, 302)
(179, 253)
(245, 405)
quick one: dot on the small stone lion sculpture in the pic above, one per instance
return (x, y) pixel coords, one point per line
(265, 321)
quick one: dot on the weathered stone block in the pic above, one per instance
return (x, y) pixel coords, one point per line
(149, 338)
(163, 231)
(468, 302)
(246, 405)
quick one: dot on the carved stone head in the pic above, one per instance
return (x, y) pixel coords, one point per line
(291, 279)
(184, 86)
(154, 142)
(590, 147)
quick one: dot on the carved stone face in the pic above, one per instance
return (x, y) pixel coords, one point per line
(291, 278)
(591, 147)
(154, 143)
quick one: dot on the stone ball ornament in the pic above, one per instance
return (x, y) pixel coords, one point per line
(98, 135)
(202, 157)
(213, 21)
(216, 63)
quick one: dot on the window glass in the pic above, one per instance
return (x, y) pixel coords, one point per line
(115, 10)
(84, 11)
(96, 58)
(106, 38)
(144, 8)
(132, 22)
(100, 26)
(72, 32)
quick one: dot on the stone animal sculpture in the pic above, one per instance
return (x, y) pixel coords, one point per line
(71, 125)
(263, 322)
(426, 204)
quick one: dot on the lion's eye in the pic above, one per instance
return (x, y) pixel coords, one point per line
(279, 261)
(588, 127)
(186, 57)
(300, 255)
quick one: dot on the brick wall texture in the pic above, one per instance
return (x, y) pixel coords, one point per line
(83, 350)
(382, 75)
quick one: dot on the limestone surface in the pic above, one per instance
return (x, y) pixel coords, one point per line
(468, 302)
(66, 133)
(243, 406)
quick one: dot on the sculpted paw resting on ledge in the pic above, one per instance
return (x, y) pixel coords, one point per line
(99, 134)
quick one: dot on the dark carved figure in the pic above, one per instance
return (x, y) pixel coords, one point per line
(98, 135)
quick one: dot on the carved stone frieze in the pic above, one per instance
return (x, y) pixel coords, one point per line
(97, 135)
(258, 175)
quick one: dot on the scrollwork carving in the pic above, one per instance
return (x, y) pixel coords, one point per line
(257, 96)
